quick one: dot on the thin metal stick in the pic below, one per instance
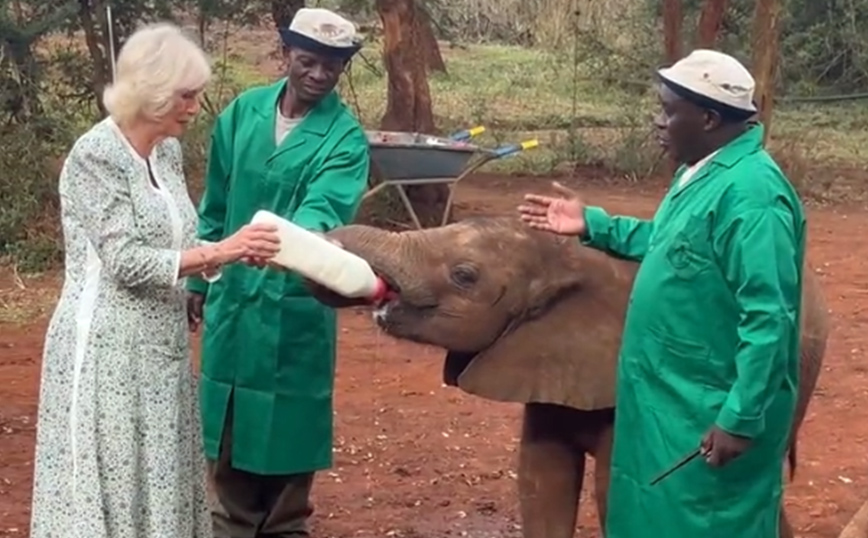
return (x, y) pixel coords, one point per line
(111, 37)
(684, 461)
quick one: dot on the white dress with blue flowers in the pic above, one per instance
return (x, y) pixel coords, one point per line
(119, 451)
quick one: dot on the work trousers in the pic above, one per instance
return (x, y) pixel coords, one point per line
(247, 505)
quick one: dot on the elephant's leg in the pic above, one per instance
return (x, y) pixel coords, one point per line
(786, 531)
(602, 461)
(550, 472)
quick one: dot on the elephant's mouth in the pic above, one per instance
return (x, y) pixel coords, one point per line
(394, 310)
(393, 289)
(399, 313)
(384, 308)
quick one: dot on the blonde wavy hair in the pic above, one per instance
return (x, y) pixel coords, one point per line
(156, 63)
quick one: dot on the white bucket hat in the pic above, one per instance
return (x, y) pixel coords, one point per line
(714, 80)
(322, 31)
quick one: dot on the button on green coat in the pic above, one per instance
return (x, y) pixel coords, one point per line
(711, 337)
(266, 341)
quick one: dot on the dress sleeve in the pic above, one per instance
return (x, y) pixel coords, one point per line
(333, 197)
(96, 190)
(175, 157)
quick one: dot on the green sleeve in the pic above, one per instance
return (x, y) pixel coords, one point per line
(333, 197)
(759, 254)
(212, 206)
(622, 237)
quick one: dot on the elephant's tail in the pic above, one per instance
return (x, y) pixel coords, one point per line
(792, 458)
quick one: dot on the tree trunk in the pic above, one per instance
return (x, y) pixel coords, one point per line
(24, 63)
(18, 11)
(428, 41)
(408, 98)
(673, 16)
(283, 11)
(91, 15)
(766, 33)
(710, 21)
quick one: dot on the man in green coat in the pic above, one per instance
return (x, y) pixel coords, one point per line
(268, 347)
(709, 357)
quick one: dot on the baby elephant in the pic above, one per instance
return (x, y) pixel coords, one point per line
(533, 318)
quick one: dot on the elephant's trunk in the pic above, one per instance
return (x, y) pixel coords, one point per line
(394, 256)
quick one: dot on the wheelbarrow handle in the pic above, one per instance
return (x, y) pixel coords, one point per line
(503, 151)
(467, 134)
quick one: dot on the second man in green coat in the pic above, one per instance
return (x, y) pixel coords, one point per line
(710, 351)
(268, 347)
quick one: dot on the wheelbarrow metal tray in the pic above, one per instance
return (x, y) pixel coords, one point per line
(417, 156)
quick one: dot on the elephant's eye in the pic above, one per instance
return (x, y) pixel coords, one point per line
(464, 275)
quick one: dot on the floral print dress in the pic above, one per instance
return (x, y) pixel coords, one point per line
(119, 450)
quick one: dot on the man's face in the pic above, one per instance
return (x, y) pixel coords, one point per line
(312, 75)
(682, 127)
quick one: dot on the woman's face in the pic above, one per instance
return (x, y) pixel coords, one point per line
(184, 110)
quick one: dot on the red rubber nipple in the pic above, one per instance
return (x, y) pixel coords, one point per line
(380, 291)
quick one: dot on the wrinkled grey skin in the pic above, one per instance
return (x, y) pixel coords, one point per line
(536, 319)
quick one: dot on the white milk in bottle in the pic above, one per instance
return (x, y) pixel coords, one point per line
(320, 260)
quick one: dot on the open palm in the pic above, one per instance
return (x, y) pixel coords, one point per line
(562, 215)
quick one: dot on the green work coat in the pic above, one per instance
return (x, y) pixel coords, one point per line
(267, 343)
(711, 337)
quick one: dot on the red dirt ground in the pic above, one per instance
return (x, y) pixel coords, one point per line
(416, 459)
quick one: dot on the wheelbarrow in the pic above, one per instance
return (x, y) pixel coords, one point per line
(403, 159)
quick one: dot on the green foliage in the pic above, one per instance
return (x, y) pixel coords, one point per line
(28, 192)
(586, 118)
(574, 74)
(19, 64)
(49, 87)
(826, 45)
(27, 32)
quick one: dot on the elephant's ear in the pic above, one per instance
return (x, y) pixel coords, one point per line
(566, 353)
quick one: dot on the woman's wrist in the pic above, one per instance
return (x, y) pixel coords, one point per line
(204, 260)
(212, 258)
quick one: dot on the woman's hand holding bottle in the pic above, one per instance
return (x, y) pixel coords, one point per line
(255, 244)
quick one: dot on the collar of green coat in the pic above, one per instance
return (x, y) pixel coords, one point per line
(318, 120)
(745, 144)
(729, 155)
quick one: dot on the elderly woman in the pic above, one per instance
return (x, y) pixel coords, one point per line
(119, 450)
